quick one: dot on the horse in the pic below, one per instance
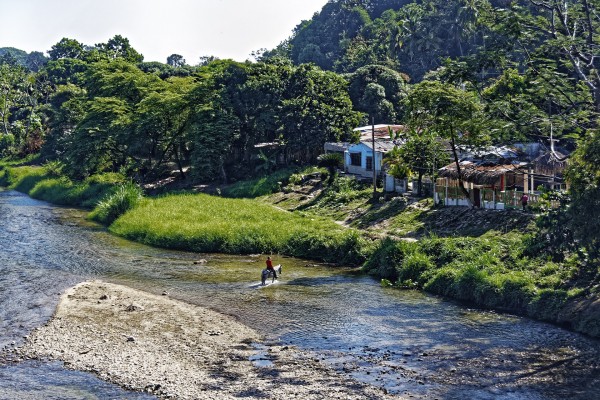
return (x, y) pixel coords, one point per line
(267, 273)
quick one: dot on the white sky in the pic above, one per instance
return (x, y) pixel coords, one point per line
(156, 28)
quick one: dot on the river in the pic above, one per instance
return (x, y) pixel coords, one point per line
(408, 342)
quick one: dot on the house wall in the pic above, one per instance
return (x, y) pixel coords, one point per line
(364, 153)
(395, 185)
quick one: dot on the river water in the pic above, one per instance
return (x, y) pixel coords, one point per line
(410, 343)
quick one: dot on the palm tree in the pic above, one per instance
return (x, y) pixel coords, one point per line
(331, 161)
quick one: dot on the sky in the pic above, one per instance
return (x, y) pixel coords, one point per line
(156, 28)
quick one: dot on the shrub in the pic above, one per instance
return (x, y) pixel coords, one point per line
(441, 281)
(7, 142)
(547, 303)
(125, 197)
(471, 284)
(387, 258)
(299, 177)
(413, 267)
(517, 291)
(54, 168)
(343, 190)
(258, 187)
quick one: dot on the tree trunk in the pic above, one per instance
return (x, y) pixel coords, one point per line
(461, 184)
(179, 164)
(223, 173)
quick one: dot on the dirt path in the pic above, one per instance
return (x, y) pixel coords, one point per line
(172, 349)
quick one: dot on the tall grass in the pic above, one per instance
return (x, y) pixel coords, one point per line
(45, 183)
(204, 223)
(125, 197)
(491, 271)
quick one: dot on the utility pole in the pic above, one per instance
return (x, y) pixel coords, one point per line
(373, 162)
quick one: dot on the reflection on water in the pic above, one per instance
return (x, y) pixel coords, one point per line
(50, 381)
(405, 341)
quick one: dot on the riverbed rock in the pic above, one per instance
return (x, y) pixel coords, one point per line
(134, 307)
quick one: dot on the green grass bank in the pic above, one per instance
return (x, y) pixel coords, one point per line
(205, 223)
(46, 183)
(483, 258)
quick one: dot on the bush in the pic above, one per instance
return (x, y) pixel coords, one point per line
(299, 177)
(388, 258)
(343, 190)
(441, 281)
(413, 267)
(7, 143)
(258, 187)
(547, 303)
(124, 198)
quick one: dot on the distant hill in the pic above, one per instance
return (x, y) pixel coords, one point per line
(32, 61)
(408, 35)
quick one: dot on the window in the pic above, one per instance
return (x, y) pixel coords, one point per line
(355, 159)
(369, 163)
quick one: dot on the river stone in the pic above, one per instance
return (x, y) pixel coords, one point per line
(134, 307)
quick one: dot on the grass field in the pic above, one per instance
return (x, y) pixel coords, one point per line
(204, 223)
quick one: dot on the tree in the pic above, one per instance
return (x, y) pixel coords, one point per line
(315, 108)
(175, 60)
(584, 176)
(161, 122)
(378, 91)
(36, 61)
(331, 161)
(67, 107)
(452, 113)
(9, 59)
(571, 29)
(422, 154)
(67, 48)
(22, 93)
(96, 145)
(318, 40)
(119, 47)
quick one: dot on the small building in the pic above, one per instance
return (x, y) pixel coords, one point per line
(491, 185)
(498, 176)
(360, 159)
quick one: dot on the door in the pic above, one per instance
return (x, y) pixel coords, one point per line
(477, 197)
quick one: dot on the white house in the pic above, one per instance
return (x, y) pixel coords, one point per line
(360, 161)
(358, 158)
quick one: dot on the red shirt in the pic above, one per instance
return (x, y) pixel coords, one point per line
(269, 264)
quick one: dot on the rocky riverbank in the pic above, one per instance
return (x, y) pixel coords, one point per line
(152, 343)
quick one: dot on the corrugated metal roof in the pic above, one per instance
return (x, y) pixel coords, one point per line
(380, 145)
(381, 131)
(340, 146)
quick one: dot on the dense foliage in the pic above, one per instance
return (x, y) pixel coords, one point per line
(100, 108)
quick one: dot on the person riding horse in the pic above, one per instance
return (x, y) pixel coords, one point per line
(270, 267)
(270, 272)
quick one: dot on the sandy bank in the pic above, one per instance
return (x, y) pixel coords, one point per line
(175, 350)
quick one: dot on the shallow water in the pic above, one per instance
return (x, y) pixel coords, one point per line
(404, 341)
